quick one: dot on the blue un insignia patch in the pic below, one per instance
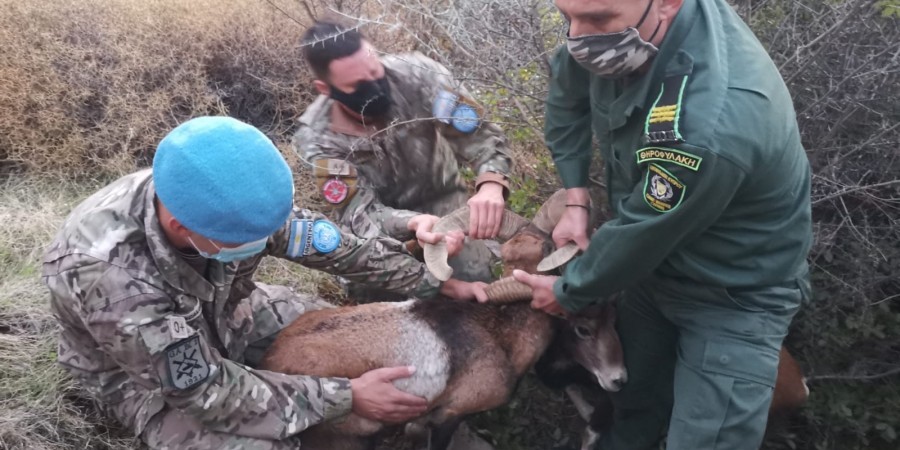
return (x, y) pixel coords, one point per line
(325, 236)
(186, 363)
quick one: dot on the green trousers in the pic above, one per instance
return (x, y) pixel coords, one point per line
(701, 360)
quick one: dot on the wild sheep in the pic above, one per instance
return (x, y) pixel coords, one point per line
(469, 357)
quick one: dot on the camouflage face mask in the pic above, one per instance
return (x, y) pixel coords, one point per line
(614, 55)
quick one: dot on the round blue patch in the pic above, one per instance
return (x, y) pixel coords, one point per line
(465, 119)
(325, 236)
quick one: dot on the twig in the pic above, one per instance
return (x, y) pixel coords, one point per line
(847, 377)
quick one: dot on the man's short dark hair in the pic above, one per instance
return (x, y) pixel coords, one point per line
(325, 42)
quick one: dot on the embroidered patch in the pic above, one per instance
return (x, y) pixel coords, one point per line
(337, 167)
(325, 236)
(444, 104)
(465, 119)
(671, 155)
(663, 192)
(178, 327)
(335, 191)
(455, 110)
(186, 363)
(662, 123)
(300, 240)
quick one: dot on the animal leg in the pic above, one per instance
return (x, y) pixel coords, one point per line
(441, 434)
(584, 408)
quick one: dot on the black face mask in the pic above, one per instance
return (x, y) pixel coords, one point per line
(372, 98)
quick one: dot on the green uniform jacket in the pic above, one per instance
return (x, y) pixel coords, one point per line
(727, 204)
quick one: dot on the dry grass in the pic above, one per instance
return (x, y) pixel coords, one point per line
(88, 88)
(40, 407)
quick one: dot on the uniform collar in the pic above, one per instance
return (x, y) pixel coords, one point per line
(342, 122)
(671, 60)
(176, 271)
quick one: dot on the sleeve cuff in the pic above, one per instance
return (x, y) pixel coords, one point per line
(429, 287)
(569, 303)
(396, 224)
(493, 177)
(337, 397)
(573, 173)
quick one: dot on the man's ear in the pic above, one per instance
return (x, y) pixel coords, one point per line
(668, 9)
(322, 87)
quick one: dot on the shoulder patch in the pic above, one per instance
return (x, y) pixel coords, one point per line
(456, 110)
(186, 363)
(300, 239)
(662, 124)
(680, 157)
(326, 237)
(663, 192)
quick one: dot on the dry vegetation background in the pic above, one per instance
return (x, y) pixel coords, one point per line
(88, 88)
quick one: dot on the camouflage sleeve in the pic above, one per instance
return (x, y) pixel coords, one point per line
(161, 350)
(364, 214)
(368, 217)
(485, 149)
(313, 241)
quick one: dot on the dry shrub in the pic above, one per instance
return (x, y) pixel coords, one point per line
(88, 88)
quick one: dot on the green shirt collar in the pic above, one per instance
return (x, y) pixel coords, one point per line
(671, 60)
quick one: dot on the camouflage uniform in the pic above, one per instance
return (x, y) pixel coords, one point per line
(412, 165)
(166, 346)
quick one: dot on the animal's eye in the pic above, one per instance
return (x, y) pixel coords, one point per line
(582, 331)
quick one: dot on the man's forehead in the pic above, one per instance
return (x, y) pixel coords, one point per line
(596, 9)
(354, 66)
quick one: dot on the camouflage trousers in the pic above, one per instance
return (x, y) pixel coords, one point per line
(273, 308)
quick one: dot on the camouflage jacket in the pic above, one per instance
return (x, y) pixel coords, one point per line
(413, 162)
(129, 306)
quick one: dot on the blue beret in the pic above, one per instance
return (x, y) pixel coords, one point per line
(223, 179)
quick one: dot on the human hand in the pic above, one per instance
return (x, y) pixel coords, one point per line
(422, 225)
(464, 290)
(375, 396)
(573, 225)
(486, 211)
(542, 286)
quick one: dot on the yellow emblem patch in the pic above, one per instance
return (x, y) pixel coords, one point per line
(663, 192)
(682, 158)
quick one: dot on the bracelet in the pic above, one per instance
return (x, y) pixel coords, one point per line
(578, 205)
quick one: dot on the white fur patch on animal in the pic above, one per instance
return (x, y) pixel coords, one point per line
(429, 355)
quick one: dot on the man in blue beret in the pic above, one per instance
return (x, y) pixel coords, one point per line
(151, 280)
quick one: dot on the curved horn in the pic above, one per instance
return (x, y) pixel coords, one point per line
(436, 254)
(507, 290)
(550, 212)
(559, 257)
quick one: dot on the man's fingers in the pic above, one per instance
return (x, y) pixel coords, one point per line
(474, 217)
(404, 400)
(583, 241)
(524, 277)
(393, 373)
(429, 237)
(478, 289)
(496, 218)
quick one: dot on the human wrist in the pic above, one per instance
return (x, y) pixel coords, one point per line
(578, 196)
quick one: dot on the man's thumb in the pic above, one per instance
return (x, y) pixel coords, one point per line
(522, 276)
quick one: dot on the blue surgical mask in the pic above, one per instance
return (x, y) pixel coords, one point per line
(227, 255)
